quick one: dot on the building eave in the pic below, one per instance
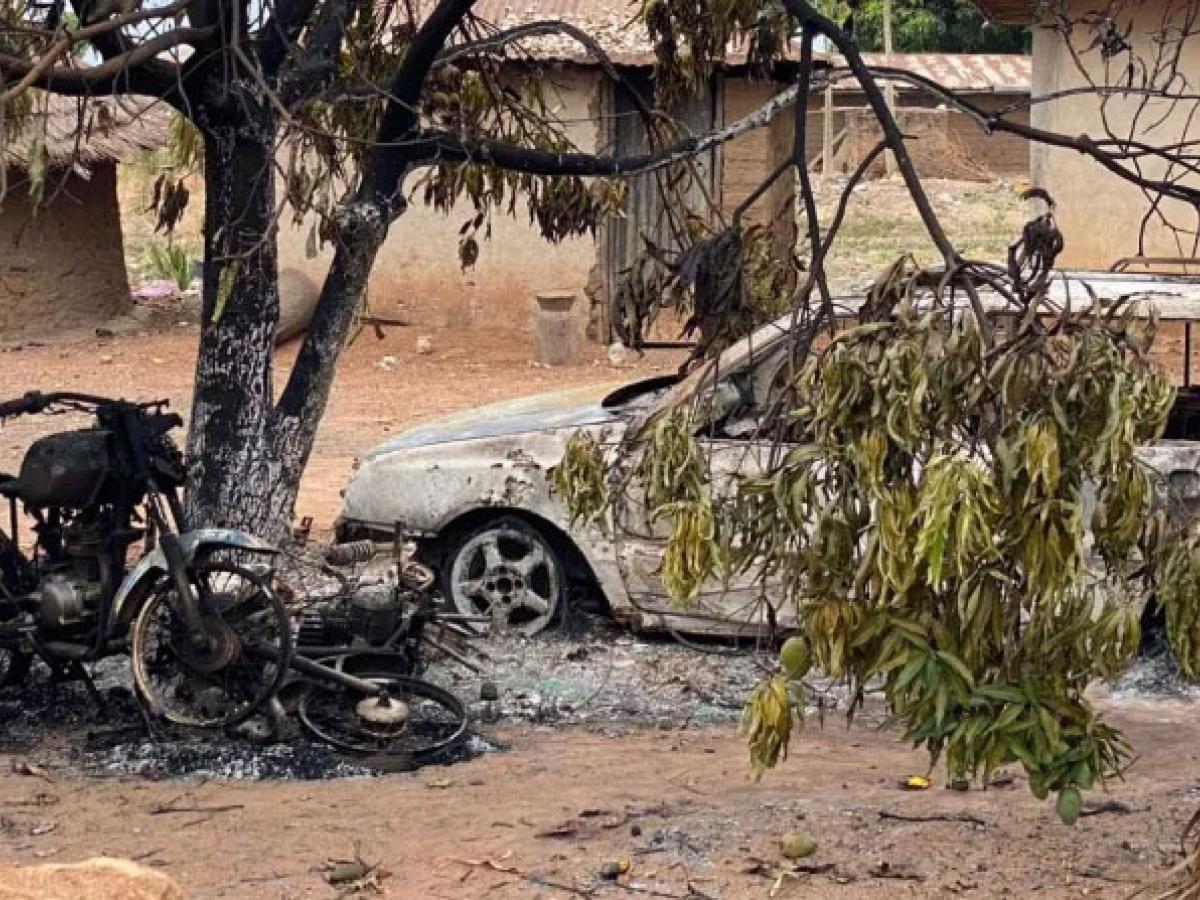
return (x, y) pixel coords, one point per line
(1008, 12)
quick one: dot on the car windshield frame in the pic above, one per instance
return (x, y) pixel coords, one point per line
(1174, 298)
(634, 392)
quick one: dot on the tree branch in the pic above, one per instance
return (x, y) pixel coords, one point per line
(365, 216)
(993, 122)
(123, 74)
(800, 160)
(319, 63)
(280, 32)
(93, 32)
(809, 17)
(542, 29)
(439, 147)
(400, 116)
(113, 43)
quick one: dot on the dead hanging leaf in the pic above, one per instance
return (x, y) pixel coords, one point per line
(171, 199)
(225, 288)
(468, 252)
(310, 244)
(186, 145)
(39, 163)
(1031, 259)
(158, 189)
(893, 286)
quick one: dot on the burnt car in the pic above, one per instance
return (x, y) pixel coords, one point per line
(475, 489)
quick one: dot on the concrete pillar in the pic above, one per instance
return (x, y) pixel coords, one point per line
(556, 328)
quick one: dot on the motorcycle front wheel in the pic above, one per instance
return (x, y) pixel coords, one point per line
(228, 676)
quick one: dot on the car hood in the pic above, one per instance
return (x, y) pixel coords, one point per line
(543, 412)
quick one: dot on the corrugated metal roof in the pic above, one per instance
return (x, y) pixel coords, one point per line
(1003, 73)
(612, 23)
(615, 26)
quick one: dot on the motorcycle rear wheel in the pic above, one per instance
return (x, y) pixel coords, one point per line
(430, 721)
(227, 682)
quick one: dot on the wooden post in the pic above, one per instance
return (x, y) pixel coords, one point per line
(889, 89)
(827, 135)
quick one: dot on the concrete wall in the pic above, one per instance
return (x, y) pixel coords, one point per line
(748, 160)
(65, 268)
(1100, 214)
(418, 267)
(946, 143)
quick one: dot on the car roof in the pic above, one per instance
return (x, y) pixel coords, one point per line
(1173, 298)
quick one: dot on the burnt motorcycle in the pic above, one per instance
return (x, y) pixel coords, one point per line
(111, 568)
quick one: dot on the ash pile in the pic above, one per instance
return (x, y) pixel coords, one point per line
(587, 673)
(61, 727)
(606, 680)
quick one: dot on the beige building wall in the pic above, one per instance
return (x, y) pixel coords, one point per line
(1100, 214)
(748, 160)
(418, 269)
(64, 268)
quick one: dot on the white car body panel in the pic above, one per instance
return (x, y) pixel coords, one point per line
(502, 456)
(431, 476)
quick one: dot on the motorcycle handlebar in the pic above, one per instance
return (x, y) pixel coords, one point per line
(31, 402)
(34, 402)
(11, 408)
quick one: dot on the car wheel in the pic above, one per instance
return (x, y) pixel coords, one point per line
(508, 572)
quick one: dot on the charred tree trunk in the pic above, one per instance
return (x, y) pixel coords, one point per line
(234, 473)
(361, 228)
(246, 451)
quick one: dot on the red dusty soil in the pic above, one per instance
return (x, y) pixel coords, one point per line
(370, 402)
(678, 805)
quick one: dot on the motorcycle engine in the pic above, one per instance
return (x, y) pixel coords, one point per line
(370, 618)
(66, 602)
(73, 589)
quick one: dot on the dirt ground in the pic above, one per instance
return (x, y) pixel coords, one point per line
(542, 820)
(382, 386)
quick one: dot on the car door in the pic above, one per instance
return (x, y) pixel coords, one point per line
(746, 605)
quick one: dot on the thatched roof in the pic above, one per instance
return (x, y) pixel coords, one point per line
(89, 132)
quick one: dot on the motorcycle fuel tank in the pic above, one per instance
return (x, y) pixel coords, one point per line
(68, 469)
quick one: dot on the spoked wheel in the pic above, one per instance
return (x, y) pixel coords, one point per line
(237, 670)
(413, 718)
(509, 573)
